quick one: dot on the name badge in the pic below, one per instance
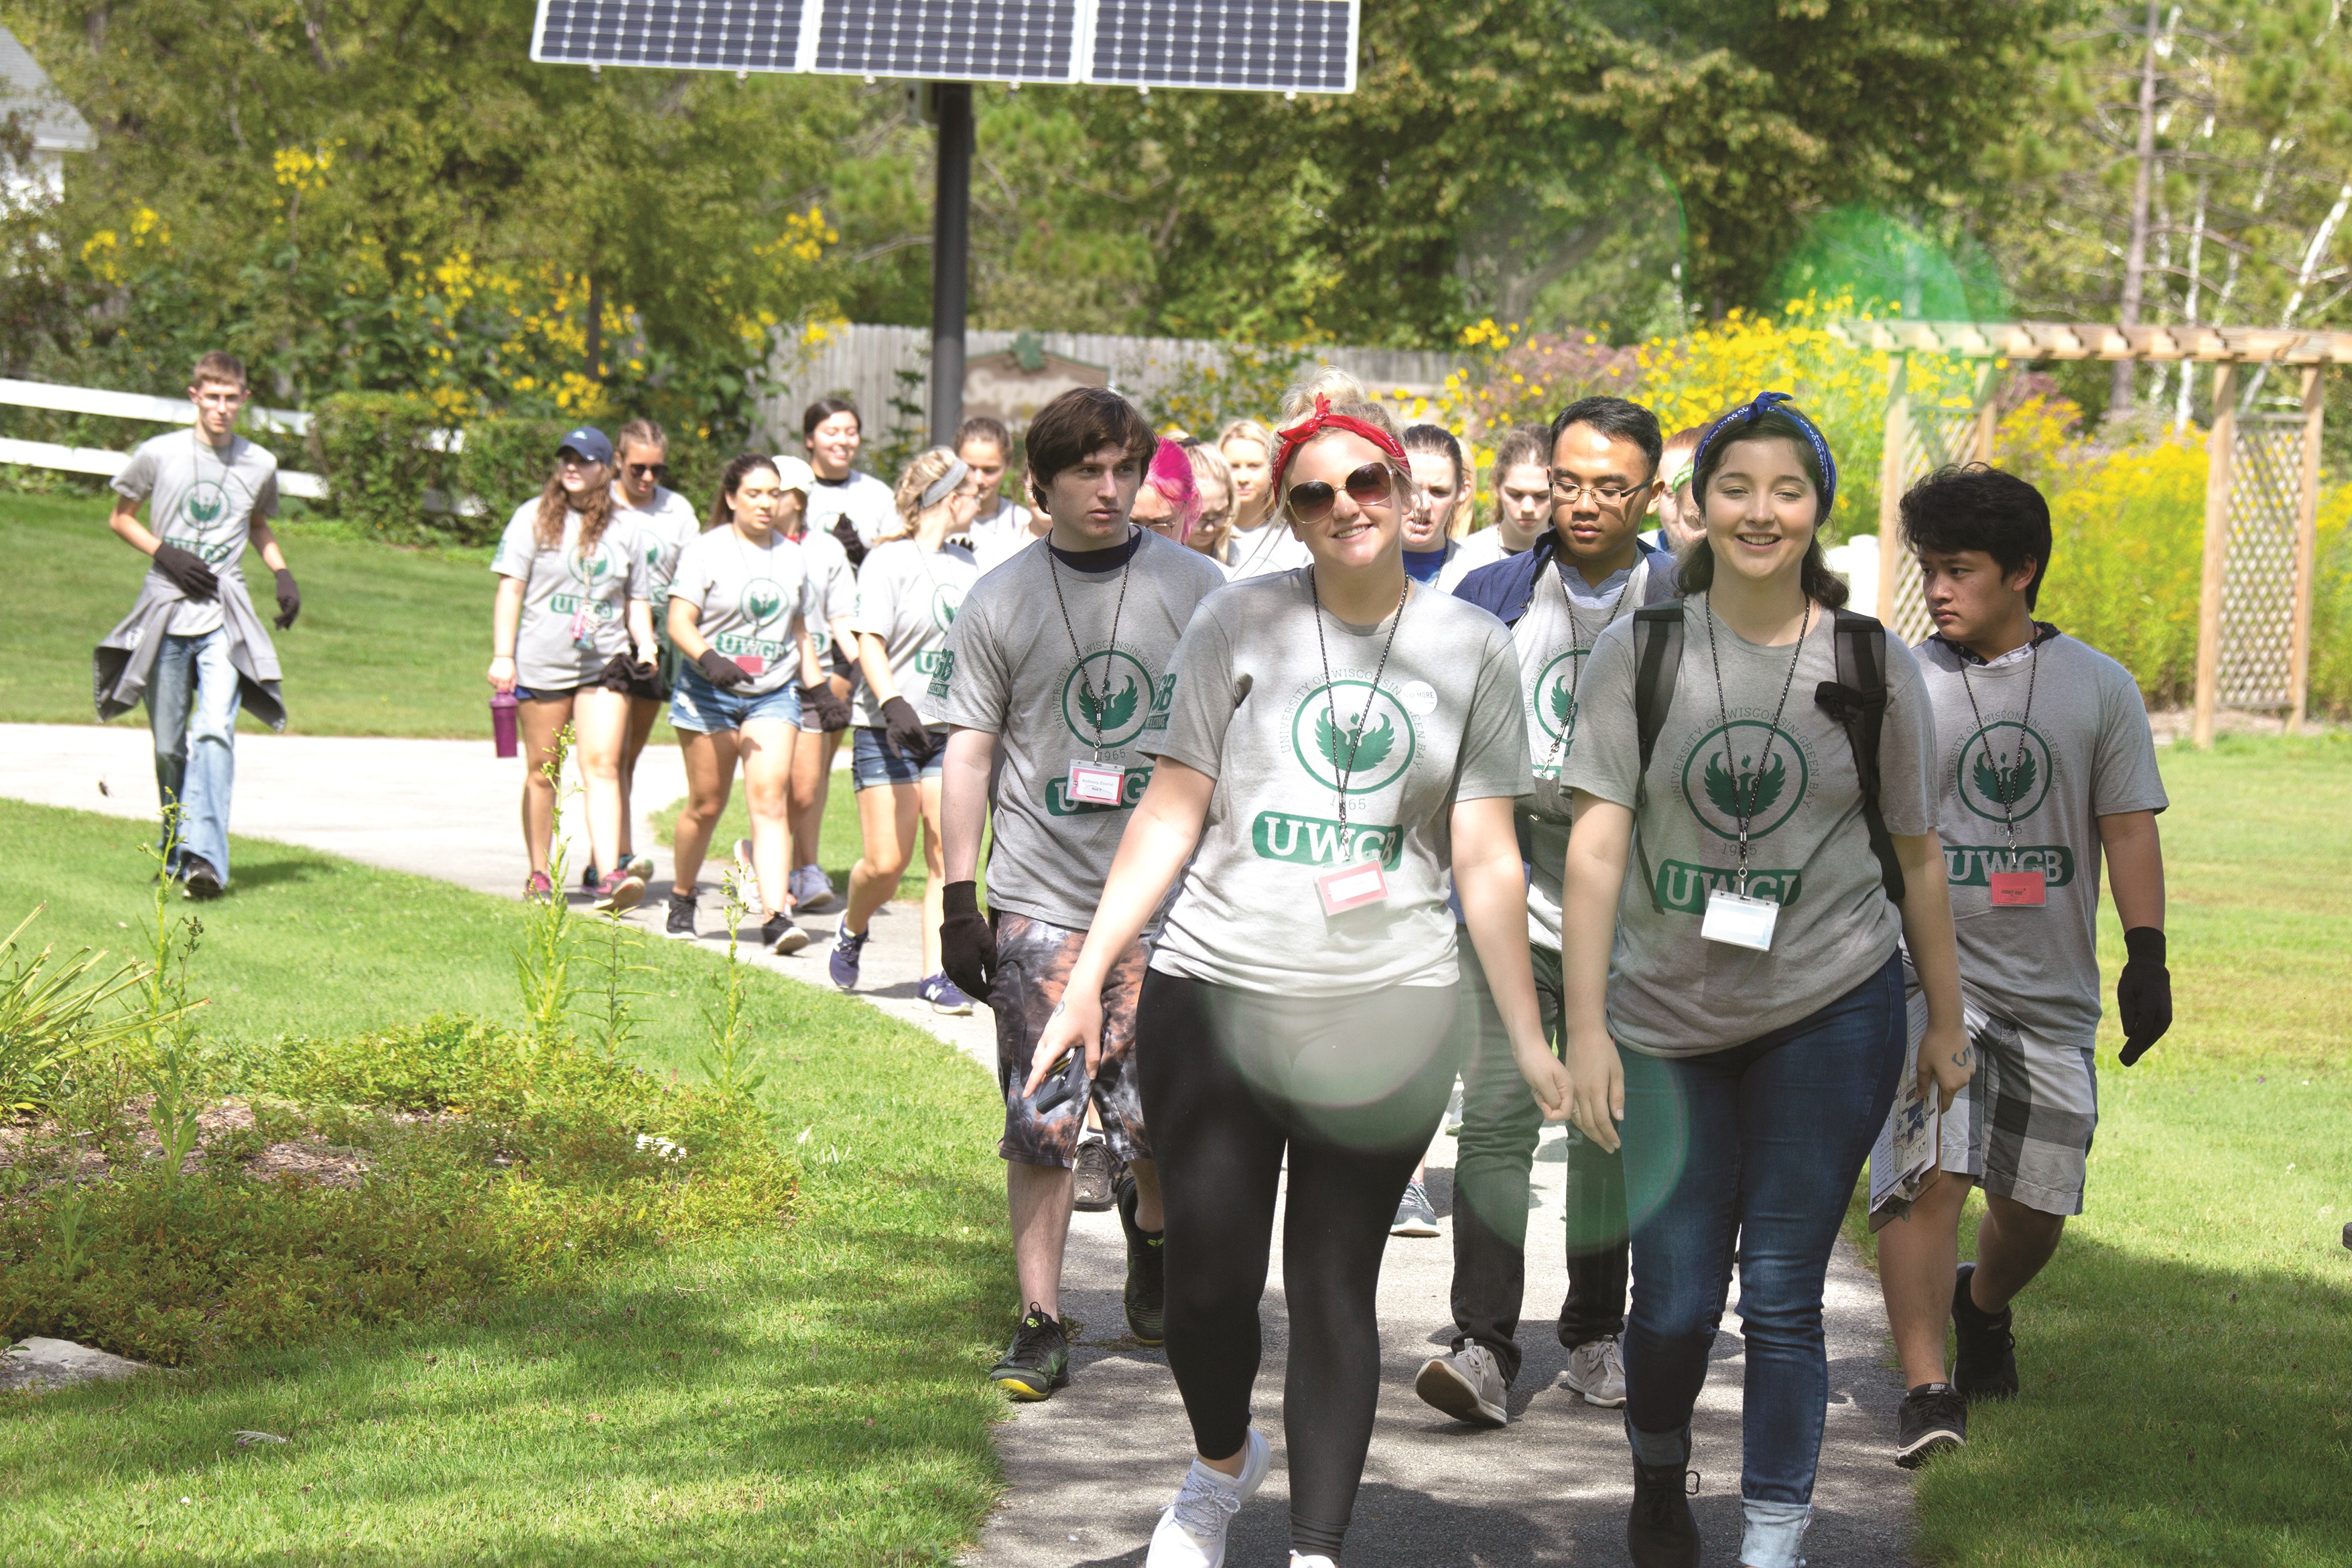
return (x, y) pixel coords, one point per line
(1353, 887)
(752, 664)
(2018, 889)
(1092, 783)
(583, 629)
(1738, 921)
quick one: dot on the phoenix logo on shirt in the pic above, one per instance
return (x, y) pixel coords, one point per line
(1348, 728)
(1722, 782)
(946, 600)
(1554, 695)
(762, 600)
(590, 570)
(1105, 695)
(204, 504)
(2017, 770)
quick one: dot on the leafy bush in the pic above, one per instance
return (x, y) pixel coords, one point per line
(505, 463)
(380, 462)
(493, 1164)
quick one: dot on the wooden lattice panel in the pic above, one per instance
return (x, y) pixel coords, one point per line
(2256, 663)
(1938, 437)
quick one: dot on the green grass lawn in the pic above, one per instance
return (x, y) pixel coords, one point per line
(2186, 1354)
(390, 641)
(812, 1396)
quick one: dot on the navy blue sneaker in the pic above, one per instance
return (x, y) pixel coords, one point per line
(848, 950)
(944, 996)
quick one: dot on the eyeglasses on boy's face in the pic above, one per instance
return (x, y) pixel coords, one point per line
(1567, 491)
(1311, 500)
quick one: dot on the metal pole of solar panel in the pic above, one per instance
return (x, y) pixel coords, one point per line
(951, 258)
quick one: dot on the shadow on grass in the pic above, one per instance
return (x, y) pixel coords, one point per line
(2169, 1415)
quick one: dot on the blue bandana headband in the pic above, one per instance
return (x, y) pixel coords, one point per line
(1732, 425)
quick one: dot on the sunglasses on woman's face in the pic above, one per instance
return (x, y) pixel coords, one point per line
(648, 470)
(1311, 500)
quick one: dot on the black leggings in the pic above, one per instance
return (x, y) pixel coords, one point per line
(1353, 1087)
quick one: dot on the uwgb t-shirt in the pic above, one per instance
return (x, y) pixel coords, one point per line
(1012, 669)
(751, 602)
(1249, 708)
(2083, 753)
(561, 580)
(202, 499)
(910, 596)
(1672, 993)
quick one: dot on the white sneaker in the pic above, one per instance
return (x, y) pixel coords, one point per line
(1596, 1371)
(1191, 1533)
(1468, 1386)
(1453, 1111)
(1318, 1561)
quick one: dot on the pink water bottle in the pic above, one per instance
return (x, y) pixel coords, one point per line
(502, 722)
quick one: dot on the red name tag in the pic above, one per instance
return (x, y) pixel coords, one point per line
(751, 663)
(2017, 890)
(1094, 784)
(1353, 887)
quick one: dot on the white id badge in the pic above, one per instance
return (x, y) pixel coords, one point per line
(1739, 920)
(1091, 784)
(1353, 887)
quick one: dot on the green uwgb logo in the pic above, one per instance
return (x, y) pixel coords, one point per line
(1319, 841)
(1683, 888)
(1972, 866)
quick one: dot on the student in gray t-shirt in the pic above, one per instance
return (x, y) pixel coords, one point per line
(2043, 764)
(1051, 672)
(573, 633)
(664, 522)
(193, 643)
(1728, 962)
(1339, 739)
(855, 508)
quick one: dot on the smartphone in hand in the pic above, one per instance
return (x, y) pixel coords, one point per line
(1067, 1082)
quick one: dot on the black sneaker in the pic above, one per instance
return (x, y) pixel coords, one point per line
(1090, 1191)
(1661, 1532)
(198, 880)
(681, 916)
(1934, 1418)
(1146, 1270)
(780, 935)
(1986, 1366)
(1039, 1360)
(589, 881)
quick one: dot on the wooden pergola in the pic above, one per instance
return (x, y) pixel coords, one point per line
(2261, 485)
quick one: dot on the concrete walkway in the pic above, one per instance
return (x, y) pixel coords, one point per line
(1088, 1471)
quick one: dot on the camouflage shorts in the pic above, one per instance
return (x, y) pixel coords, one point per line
(1032, 961)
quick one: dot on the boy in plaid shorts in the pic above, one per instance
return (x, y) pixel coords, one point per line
(2046, 765)
(1056, 665)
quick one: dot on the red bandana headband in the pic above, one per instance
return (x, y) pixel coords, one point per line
(1290, 439)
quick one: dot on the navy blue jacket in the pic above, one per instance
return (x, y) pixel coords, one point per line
(1506, 587)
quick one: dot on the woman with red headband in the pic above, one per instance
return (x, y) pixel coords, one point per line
(1336, 740)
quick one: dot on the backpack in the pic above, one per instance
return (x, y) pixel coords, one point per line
(1856, 700)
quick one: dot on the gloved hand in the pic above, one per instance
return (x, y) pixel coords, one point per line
(831, 713)
(187, 572)
(2143, 992)
(289, 599)
(846, 532)
(721, 670)
(903, 732)
(967, 942)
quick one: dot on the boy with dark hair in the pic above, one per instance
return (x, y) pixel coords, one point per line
(2043, 771)
(1588, 569)
(193, 644)
(1057, 664)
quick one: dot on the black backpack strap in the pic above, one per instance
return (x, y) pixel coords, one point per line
(1856, 701)
(1657, 666)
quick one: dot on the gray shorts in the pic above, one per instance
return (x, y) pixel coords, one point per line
(2023, 1127)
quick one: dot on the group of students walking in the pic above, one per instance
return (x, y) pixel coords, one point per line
(1251, 742)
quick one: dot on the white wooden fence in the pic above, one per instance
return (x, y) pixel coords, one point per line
(134, 406)
(864, 364)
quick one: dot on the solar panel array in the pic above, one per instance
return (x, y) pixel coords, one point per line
(1261, 45)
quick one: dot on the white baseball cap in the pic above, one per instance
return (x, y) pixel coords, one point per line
(794, 474)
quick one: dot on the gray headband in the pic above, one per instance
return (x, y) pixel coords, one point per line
(945, 485)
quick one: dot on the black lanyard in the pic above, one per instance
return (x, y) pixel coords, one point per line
(1576, 652)
(1743, 800)
(1095, 706)
(2007, 789)
(1330, 706)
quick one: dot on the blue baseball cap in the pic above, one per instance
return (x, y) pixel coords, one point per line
(590, 443)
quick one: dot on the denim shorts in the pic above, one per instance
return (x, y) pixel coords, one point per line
(871, 763)
(703, 708)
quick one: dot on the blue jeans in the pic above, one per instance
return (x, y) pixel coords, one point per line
(1758, 1145)
(192, 700)
(705, 708)
(872, 763)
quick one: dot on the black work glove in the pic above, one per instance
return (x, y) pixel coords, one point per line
(903, 732)
(187, 572)
(289, 599)
(721, 670)
(846, 532)
(831, 713)
(2143, 992)
(967, 942)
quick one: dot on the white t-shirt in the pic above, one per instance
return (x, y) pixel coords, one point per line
(666, 525)
(203, 500)
(1483, 548)
(996, 540)
(564, 589)
(867, 501)
(909, 597)
(1264, 550)
(751, 602)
